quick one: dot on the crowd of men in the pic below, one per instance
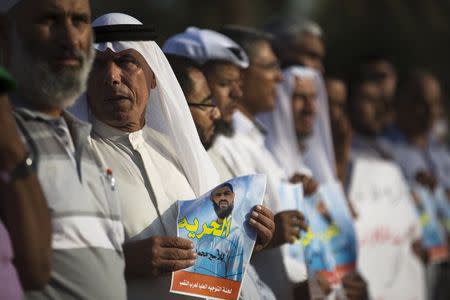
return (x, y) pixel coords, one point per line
(103, 131)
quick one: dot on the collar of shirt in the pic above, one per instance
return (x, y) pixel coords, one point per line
(130, 139)
(78, 129)
(254, 129)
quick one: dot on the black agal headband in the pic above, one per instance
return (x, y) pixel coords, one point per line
(115, 33)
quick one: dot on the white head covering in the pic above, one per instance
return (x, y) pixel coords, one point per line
(319, 153)
(202, 45)
(6, 5)
(281, 138)
(167, 111)
(318, 158)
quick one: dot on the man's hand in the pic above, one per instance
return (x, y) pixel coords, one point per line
(355, 286)
(426, 179)
(261, 219)
(287, 227)
(309, 185)
(323, 283)
(420, 251)
(158, 255)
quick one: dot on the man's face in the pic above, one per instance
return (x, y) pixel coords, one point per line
(202, 107)
(49, 50)
(367, 109)
(337, 97)
(309, 51)
(260, 80)
(223, 199)
(423, 108)
(304, 106)
(432, 98)
(225, 82)
(384, 74)
(340, 125)
(119, 87)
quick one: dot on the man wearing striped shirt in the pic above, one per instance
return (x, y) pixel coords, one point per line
(50, 59)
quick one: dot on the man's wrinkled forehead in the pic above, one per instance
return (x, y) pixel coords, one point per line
(35, 8)
(110, 55)
(303, 83)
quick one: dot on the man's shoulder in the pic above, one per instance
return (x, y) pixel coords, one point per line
(158, 140)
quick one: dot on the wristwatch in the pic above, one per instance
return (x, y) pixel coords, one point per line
(22, 170)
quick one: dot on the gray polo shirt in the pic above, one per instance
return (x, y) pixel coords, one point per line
(87, 239)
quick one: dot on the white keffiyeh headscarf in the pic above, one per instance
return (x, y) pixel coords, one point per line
(319, 153)
(281, 138)
(318, 158)
(167, 111)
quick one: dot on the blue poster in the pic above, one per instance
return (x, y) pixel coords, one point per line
(433, 234)
(217, 225)
(310, 252)
(291, 196)
(341, 232)
(443, 208)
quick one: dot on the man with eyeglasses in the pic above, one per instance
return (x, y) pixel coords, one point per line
(202, 106)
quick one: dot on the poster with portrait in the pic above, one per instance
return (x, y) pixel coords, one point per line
(291, 196)
(217, 224)
(340, 233)
(433, 234)
(316, 241)
(443, 208)
(329, 247)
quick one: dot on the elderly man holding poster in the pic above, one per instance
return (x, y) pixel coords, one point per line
(143, 130)
(133, 98)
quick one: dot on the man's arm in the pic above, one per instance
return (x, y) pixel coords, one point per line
(23, 208)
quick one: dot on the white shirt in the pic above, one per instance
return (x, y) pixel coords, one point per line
(251, 139)
(149, 180)
(269, 263)
(228, 159)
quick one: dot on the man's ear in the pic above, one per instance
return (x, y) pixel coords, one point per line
(153, 81)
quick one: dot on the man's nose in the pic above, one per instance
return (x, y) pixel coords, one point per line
(215, 114)
(236, 91)
(68, 36)
(320, 67)
(112, 74)
(278, 75)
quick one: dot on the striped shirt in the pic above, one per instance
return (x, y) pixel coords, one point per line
(87, 260)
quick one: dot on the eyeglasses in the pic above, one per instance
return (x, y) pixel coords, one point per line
(208, 105)
(271, 66)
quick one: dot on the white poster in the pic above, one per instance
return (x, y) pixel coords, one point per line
(386, 227)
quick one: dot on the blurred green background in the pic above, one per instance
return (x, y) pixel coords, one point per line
(415, 33)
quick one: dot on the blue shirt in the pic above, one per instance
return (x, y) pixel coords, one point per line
(220, 256)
